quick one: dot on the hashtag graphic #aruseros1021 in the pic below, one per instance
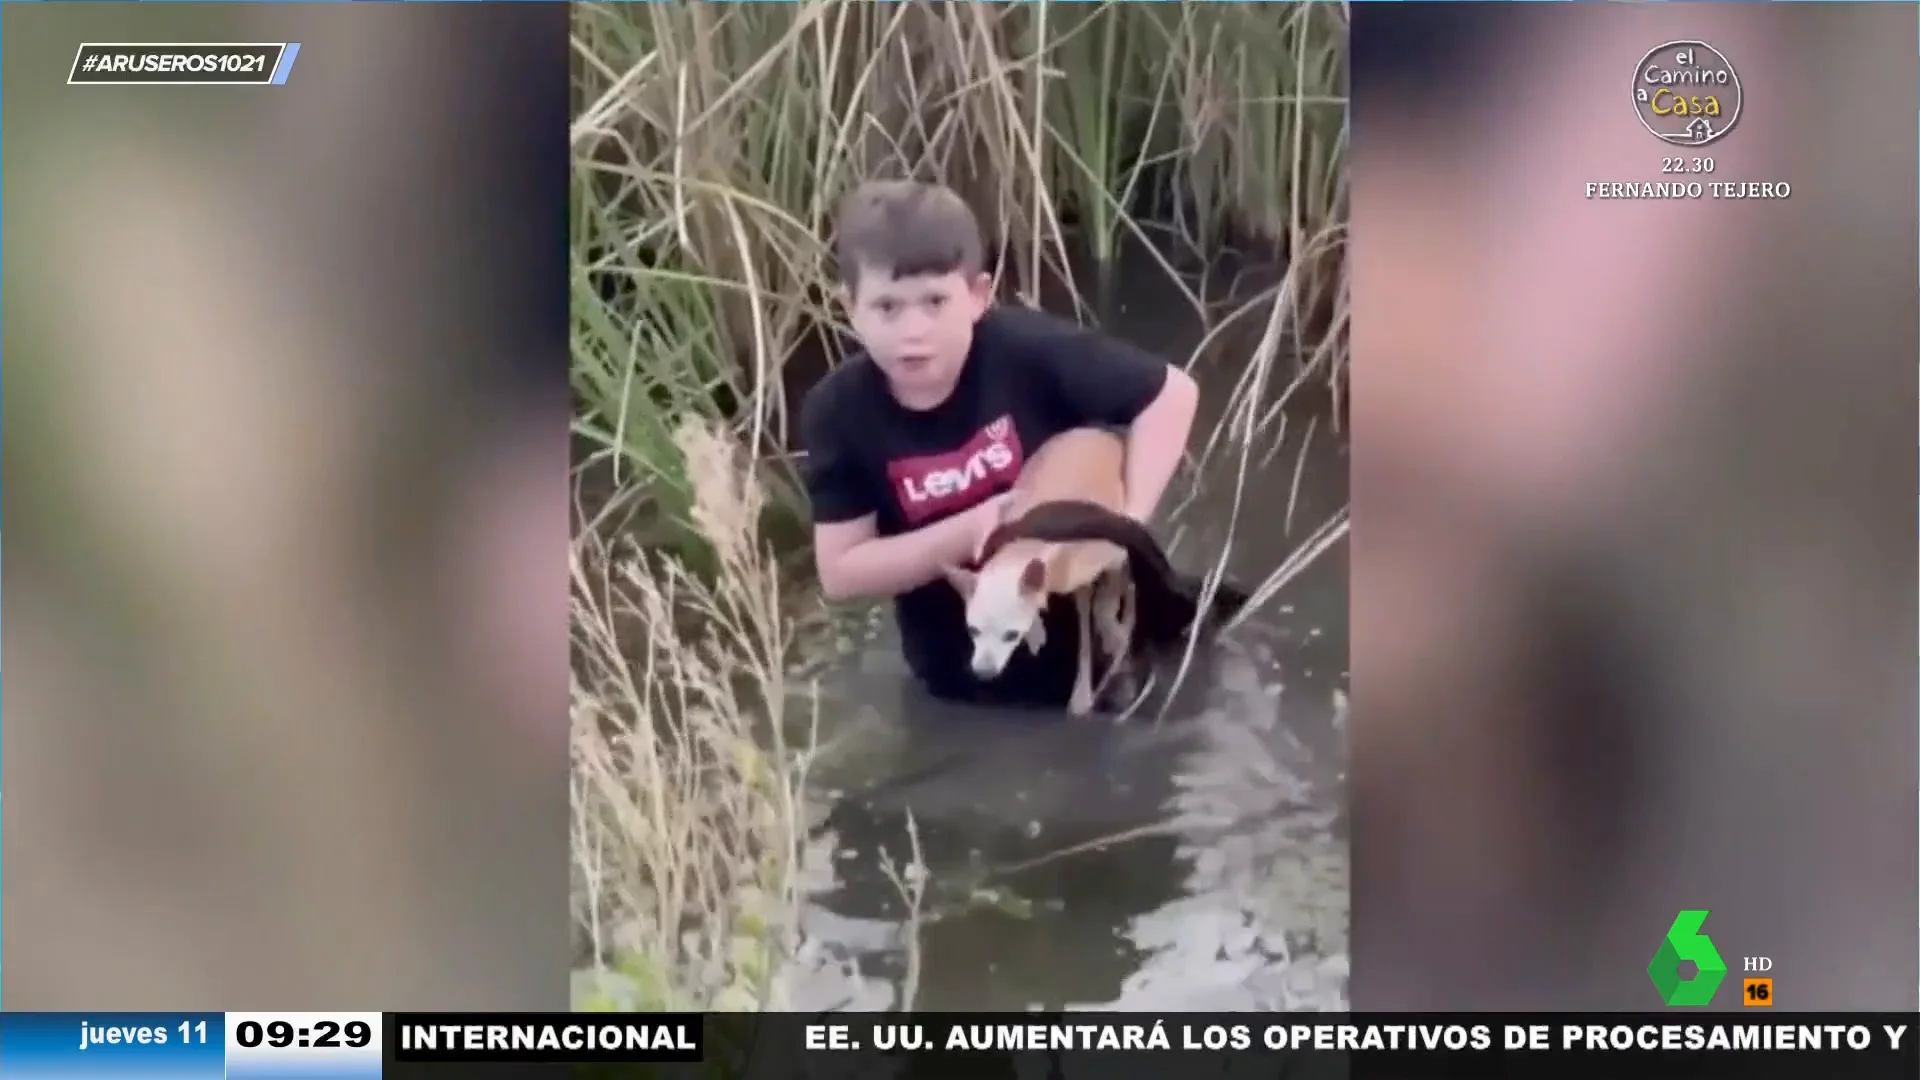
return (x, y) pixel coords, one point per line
(183, 65)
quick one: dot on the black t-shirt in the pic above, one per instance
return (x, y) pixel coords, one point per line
(1028, 377)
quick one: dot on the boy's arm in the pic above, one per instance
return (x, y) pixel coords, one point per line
(850, 560)
(853, 563)
(1157, 439)
(1102, 380)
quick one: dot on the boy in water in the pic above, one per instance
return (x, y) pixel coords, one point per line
(913, 446)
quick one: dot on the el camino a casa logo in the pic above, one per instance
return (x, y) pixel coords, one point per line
(1686, 93)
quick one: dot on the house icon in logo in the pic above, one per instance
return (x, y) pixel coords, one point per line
(1701, 130)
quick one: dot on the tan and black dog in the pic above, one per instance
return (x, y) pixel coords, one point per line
(1008, 595)
(1066, 532)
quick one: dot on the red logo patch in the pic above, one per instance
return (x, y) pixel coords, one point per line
(936, 485)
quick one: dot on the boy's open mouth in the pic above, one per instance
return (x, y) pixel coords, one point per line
(914, 360)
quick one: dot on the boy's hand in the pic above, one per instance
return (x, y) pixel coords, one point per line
(962, 580)
(982, 520)
(987, 517)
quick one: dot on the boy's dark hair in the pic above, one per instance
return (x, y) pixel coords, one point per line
(905, 229)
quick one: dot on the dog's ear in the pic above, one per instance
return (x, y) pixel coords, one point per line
(1033, 577)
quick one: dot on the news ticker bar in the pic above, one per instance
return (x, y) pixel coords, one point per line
(366, 1045)
(188, 64)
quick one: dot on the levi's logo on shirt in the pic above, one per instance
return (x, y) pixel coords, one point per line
(936, 485)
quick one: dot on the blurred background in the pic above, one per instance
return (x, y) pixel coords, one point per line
(286, 474)
(1634, 563)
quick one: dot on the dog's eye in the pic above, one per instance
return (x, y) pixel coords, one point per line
(1009, 636)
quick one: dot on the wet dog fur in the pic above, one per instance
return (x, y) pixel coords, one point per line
(1167, 602)
(1018, 577)
(1143, 609)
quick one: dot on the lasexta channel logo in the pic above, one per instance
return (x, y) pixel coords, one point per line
(1684, 942)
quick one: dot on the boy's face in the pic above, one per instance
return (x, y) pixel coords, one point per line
(919, 328)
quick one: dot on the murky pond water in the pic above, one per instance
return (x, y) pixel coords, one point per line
(1195, 863)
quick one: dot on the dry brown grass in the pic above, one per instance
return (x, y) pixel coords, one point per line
(687, 795)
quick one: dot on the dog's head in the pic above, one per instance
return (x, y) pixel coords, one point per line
(1005, 601)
